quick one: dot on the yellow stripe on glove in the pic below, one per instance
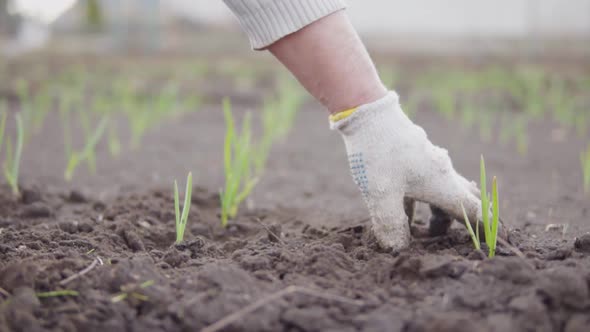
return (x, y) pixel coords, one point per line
(342, 115)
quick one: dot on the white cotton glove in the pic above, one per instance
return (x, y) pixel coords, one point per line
(391, 159)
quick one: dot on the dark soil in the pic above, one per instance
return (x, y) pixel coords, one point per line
(346, 282)
(300, 255)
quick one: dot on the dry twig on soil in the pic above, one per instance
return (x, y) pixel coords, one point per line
(4, 292)
(73, 277)
(269, 231)
(233, 317)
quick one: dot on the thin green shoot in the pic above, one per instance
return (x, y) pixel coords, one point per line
(148, 112)
(474, 235)
(41, 106)
(388, 76)
(490, 223)
(13, 157)
(485, 125)
(64, 110)
(485, 202)
(133, 292)
(468, 115)
(412, 103)
(181, 219)
(114, 143)
(89, 136)
(88, 152)
(290, 98)
(493, 241)
(57, 293)
(445, 101)
(278, 115)
(585, 161)
(239, 155)
(3, 111)
(270, 114)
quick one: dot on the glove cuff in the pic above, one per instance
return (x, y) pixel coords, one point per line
(366, 113)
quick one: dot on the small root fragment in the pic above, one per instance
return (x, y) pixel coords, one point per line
(235, 316)
(87, 269)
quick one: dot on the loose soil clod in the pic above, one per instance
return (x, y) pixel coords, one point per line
(582, 243)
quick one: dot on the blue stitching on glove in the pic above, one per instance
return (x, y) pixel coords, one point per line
(359, 172)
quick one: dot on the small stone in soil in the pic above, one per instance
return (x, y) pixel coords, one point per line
(25, 297)
(274, 233)
(85, 227)
(578, 322)
(174, 258)
(68, 227)
(132, 240)
(99, 206)
(582, 243)
(476, 255)
(558, 254)
(36, 210)
(77, 197)
(30, 196)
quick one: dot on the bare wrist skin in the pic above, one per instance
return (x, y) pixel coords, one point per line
(331, 62)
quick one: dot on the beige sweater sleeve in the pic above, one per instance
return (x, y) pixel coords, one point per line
(266, 21)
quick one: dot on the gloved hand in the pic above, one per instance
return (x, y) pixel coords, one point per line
(392, 161)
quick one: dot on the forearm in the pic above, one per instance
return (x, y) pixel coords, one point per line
(315, 40)
(331, 62)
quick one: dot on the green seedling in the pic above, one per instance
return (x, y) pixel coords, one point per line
(3, 112)
(270, 114)
(490, 223)
(290, 99)
(474, 235)
(88, 151)
(278, 115)
(532, 96)
(515, 127)
(26, 104)
(468, 115)
(239, 155)
(412, 103)
(582, 123)
(388, 76)
(65, 106)
(57, 293)
(585, 161)
(22, 89)
(146, 112)
(486, 123)
(191, 104)
(114, 143)
(445, 101)
(88, 133)
(41, 105)
(562, 102)
(181, 219)
(13, 156)
(133, 291)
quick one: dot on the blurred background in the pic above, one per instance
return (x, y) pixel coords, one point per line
(119, 95)
(524, 27)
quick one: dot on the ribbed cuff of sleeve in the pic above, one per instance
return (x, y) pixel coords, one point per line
(266, 21)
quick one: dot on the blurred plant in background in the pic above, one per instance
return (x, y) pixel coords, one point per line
(94, 16)
(138, 96)
(585, 160)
